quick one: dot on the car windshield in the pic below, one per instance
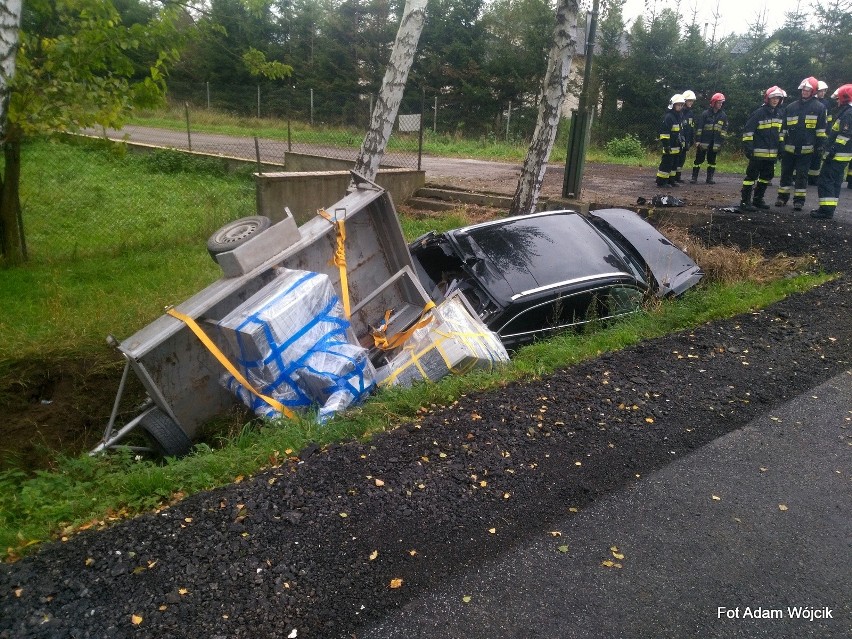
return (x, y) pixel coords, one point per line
(536, 251)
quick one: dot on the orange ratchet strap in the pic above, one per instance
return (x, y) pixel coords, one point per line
(214, 350)
(339, 258)
(380, 339)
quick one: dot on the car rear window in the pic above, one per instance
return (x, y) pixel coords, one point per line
(550, 248)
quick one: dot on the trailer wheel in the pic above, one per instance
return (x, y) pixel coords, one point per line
(168, 438)
(235, 233)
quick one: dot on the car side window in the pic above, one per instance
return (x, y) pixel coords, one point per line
(574, 310)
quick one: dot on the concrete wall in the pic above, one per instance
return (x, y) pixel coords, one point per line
(306, 191)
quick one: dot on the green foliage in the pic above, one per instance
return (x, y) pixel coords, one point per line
(628, 146)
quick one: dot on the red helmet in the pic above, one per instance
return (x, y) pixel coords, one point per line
(774, 92)
(809, 83)
(717, 97)
(844, 94)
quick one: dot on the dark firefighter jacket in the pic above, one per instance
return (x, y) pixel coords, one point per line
(670, 138)
(804, 126)
(711, 129)
(762, 134)
(687, 127)
(838, 145)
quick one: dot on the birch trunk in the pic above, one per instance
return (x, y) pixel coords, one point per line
(12, 247)
(10, 24)
(554, 88)
(393, 85)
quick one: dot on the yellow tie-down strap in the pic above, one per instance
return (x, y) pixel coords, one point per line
(380, 338)
(469, 339)
(339, 259)
(214, 350)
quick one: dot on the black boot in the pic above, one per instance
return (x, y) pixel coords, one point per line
(822, 214)
(798, 205)
(677, 178)
(697, 169)
(781, 201)
(710, 173)
(745, 200)
(758, 201)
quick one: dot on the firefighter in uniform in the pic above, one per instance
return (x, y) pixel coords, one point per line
(687, 130)
(813, 172)
(838, 153)
(849, 167)
(761, 141)
(711, 128)
(803, 132)
(671, 142)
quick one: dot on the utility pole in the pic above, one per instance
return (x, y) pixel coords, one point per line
(581, 117)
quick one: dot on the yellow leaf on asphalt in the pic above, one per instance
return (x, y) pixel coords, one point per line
(442, 455)
(483, 483)
(19, 592)
(782, 507)
(163, 608)
(506, 495)
(136, 619)
(555, 533)
(578, 463)
(492, 530)
(475, 416)
(183, 591)
(374, 554)
(344, 515)
(188, 520)
(238, 479)
(90, 562)
(650, 420)
(573, 509)
(379, 483)
(716, 498)
(563, 549)
(466, 598)
(412, 552)
(396, 583)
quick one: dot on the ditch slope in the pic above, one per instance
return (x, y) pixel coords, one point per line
(334, 539)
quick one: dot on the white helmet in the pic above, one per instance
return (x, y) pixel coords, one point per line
(677, 98)
(689, 95)
(822, 86)
(835, 94)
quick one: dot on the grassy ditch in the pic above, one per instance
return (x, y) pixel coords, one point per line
(62, 307)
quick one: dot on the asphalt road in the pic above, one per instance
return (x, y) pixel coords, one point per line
(749, 536)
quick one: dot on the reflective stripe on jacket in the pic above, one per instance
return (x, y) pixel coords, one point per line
(838, 143)
(711, 129)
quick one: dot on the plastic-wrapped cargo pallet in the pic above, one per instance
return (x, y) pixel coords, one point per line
(455, 341)
(294, 344)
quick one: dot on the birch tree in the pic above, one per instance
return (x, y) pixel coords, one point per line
(10, 25)
(393, 85)
(554, 89)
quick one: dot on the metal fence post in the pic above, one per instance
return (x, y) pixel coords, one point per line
(208, 95)
(258, 101)
(508, 120)
(188, 135)
(312, 107)
(435, 116)
(257, 154)
(420, 134)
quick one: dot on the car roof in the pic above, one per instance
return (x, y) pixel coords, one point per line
(529, 253)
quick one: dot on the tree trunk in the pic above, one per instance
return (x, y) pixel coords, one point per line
(12, 248)
(10, 24)
(393, 85)
(554, 88)
(11, 230)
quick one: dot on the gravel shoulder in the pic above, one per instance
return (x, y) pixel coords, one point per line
(313, 548)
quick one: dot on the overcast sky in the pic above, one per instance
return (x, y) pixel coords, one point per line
(735, 15)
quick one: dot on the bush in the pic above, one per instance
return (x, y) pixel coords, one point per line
(629, 146)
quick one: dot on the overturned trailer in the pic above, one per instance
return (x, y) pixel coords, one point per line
(182, 375)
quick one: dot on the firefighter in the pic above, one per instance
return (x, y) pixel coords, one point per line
(813, 172)
(687, 130)
(670, 140)
(711, 128)
(838, 153)
(761, 141)
(849, 166)
(803, 132)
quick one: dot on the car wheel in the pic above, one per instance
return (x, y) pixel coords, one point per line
(236, 233)
(168, 438)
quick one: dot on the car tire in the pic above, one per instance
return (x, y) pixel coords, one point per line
(168, 439)
(235, 233)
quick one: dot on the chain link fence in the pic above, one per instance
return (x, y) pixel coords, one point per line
(92, 211)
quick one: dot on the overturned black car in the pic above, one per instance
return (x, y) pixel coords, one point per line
(533, 275)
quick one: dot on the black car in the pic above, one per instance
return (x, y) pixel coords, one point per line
(532, 275)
